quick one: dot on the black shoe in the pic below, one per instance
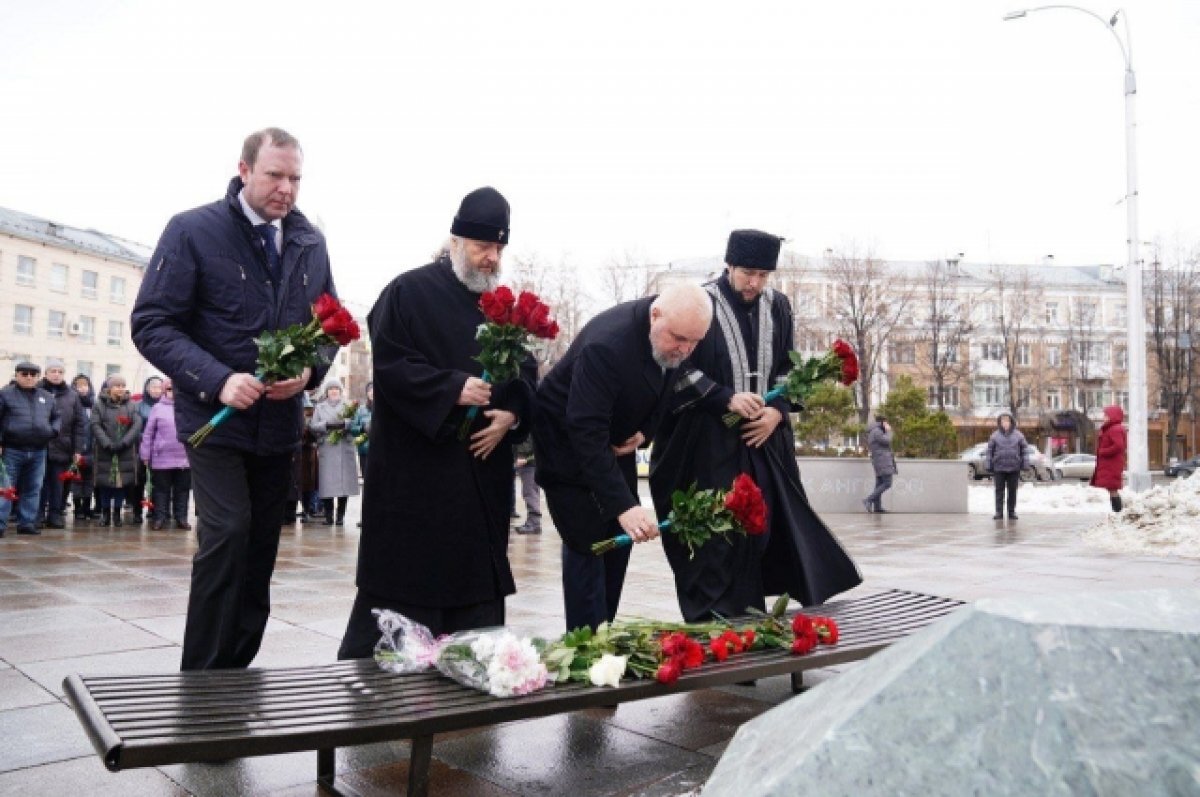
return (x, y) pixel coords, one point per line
(30, 530)
(56, 523)
(340, 521)
(527, 530)
(867, 505)
(997, 516)
(1012, 516)
(117, 519)
(106, 518)
(328, 521)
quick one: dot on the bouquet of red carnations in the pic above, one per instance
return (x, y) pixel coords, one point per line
(839, 363)
(7, 492)
(72, 473)
(514, 324)
(285, 353)
(698, 515)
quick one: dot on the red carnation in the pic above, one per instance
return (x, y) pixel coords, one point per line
(803, 644)
(9, 494)
(849, 361)
(827, 630)
(325, 306)
(668, 673)
(123, 420)
(525, 304)
(719, 648)
(802, 624)
(748, 637)
(693, 654)
(745, 502)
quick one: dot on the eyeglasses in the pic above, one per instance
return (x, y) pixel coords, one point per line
(27, 373)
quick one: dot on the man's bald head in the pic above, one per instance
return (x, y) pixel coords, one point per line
(679, 319)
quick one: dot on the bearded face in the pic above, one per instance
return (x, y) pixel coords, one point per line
(476, 263)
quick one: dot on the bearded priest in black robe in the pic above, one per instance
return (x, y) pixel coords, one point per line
(743, 355)
(436, 508)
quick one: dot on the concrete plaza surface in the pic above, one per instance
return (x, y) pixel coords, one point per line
(94, 601)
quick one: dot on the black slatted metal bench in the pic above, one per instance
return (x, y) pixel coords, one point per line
(151, 720)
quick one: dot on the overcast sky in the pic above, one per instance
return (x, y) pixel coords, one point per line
(917, 129)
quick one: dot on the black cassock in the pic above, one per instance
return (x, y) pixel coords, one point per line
(435, 518)
(798, 554)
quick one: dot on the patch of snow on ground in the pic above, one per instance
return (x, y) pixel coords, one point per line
(1163, 521)
(1051, 499)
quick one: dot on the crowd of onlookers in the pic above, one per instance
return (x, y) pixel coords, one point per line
(114, 458)
(103, 453)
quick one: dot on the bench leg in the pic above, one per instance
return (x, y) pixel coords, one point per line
(327, 772)
(418, 766)
(798, 683)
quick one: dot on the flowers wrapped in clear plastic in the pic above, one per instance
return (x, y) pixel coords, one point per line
(493, 660)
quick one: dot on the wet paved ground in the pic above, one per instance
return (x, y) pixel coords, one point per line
(104, 601)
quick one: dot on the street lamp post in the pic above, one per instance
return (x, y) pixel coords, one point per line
(1139, 461)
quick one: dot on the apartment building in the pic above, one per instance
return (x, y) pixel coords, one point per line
(67, 292)
(1058, 331)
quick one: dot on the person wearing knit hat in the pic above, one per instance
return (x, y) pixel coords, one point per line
(745, 353)
(435, 509)
(67, 447)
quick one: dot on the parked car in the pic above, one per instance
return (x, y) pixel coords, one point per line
(1075, 466)
(1182, 469)
(976, 459)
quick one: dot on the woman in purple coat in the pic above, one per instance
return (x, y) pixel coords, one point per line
(167, 462)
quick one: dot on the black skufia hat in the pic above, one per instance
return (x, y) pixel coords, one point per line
(753, 249)
(482, 216)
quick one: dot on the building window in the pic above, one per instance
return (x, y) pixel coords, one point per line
(904, 353)
(1024, 397)
(1053, 356)
(56, 320)
(949, 396)
(87, 329)
(1053, 399)
(1086, 314)
(1122, 399)
(111, 369)
(1051, 312)
(990, 393)
(1090, 352)
(1091, 399)
(58, 277)
(1121, 315)
(84, 367)
(22, 320)
(1023, 354)
(26, 271)
(116, 290)
(116, 333)
(987, 311)
(91, 284)
(948, 354)
(992, 351)
(1121, 355)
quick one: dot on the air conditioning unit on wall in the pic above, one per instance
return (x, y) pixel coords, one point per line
(74, 328)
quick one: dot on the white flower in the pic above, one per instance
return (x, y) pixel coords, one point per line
(607, 671)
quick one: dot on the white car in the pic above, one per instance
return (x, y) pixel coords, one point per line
(1075, 466)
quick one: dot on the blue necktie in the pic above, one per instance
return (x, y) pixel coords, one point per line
(267, 233)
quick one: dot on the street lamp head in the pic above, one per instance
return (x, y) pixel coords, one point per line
(1011, 15)
(1112, 23)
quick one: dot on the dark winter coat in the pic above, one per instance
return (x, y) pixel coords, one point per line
(72, 435)
(28, 418)
(879, 445)
(113, 439)
(206, 295)
(86, 402)
(1006, 450)
(435, 518)
(1110, 451)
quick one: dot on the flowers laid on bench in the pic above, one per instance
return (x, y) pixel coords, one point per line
(839, 364)
(699, 515)
(513, 326)
(502, 664)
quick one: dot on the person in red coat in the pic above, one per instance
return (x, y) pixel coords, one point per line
(1110, 455)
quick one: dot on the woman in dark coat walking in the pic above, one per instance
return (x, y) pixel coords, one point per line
(1110, 456)
(883, 460)
(116, 427)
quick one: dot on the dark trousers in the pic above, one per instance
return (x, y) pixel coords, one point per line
(81, 491)
(1006, 481)
(51, 503)
(883, 483)
(239, 500)
(362, 631)
(592, 585)
(172, 487)
(110, 499)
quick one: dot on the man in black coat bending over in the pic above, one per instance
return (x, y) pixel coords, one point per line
(602, 401)
(434, 543)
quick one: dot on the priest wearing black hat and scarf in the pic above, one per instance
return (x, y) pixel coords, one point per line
(744, 354)
(436, 508)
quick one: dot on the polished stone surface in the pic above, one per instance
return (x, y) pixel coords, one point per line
(1094, 693)
(102, 601)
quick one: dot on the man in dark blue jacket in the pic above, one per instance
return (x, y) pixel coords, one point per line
(602, 401)
(28, 421)
(223, 274)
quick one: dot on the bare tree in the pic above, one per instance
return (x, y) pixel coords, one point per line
(1172, 309)
(559, 287)
(628, 276)
(868, 302)
(1017, 293)
(949, 327)
(1085, 351)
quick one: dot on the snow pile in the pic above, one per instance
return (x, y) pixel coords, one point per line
(1163, 521)
(1051, 499)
